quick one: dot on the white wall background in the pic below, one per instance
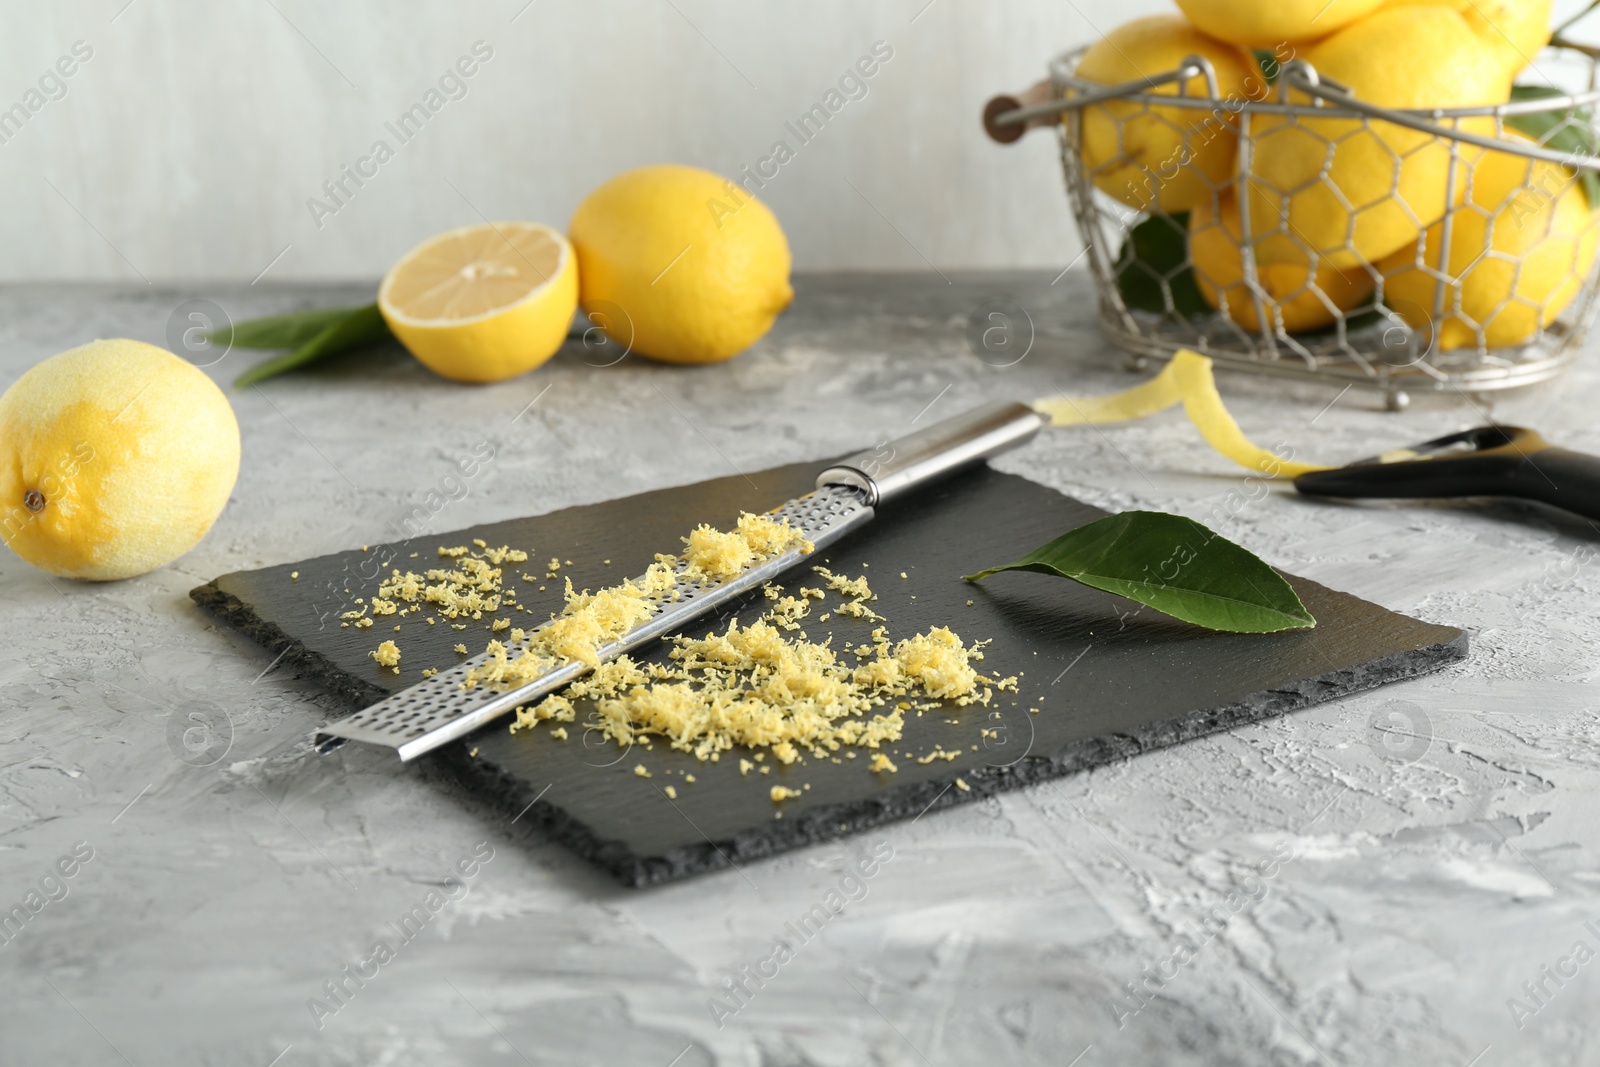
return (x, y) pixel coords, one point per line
(187, 147)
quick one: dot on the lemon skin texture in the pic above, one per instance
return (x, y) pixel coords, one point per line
(1163, 157)
(1354, 193)
(679, 264)
(1295, 297)
(1269, 23)
(1520, 249)
(115, 459)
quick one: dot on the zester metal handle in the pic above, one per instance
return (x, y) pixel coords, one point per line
(894, 467)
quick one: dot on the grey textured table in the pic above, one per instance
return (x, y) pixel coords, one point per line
(1316, 889)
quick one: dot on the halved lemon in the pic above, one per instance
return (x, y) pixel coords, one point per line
(483, 303)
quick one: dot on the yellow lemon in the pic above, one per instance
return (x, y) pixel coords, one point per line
(483, 303)
(1514, 29)
(1295, 298)
(1520, 248)
(115, 459)
(1167, 157)
(1269, 23)
(1354, 193)
(679, 264)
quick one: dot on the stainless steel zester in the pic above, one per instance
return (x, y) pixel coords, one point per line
(440, 709)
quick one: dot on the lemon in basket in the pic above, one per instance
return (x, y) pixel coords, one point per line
(1270, 23)
(1515, 30)
(1294, 297)
(1520, 249)
(116, 458)
(1167, 157)
(483, 303)
(1355, 190)
(680, 264)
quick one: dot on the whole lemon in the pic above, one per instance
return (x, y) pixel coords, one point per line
(1294, 297)
(115, 459)
(1520, 249)
(1352, 191)
(1515, 30)
(1269, 23)
(680, 264)
(1167, 157)
(485, 302)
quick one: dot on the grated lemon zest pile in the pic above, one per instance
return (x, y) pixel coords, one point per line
(756, 687)
(855, 590)
(1187, 379)
(387, 655)
(768, 538)
(466, 590)
(764, 686)
(718, 556)
(590, 621)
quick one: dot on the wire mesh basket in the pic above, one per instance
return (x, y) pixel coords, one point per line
(1445, 249)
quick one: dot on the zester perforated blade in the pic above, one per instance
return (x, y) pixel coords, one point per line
(440, 709)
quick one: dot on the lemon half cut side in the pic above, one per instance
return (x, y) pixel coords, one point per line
(483, 303)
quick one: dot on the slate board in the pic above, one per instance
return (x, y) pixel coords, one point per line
(1110, 681)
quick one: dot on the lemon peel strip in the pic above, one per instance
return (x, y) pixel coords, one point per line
(1188, 380)
(1147, 398)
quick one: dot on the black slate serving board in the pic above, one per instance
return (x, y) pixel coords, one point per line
(1110, 680)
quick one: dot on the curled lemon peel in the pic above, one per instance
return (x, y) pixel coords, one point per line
(1188, 380)
(1147, 398)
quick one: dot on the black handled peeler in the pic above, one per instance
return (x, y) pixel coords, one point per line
(1488, 461)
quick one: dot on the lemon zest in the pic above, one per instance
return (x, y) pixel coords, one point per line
(1188, 379)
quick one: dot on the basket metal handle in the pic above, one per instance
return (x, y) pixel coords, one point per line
(1303, 76)
(1010, 115)
(1007, 117)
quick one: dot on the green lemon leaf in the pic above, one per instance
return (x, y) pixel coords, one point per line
(1566, 130)
(1174, 565)
(1267, 63)
(279, 331)
(354, 328)
(1154, 263)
